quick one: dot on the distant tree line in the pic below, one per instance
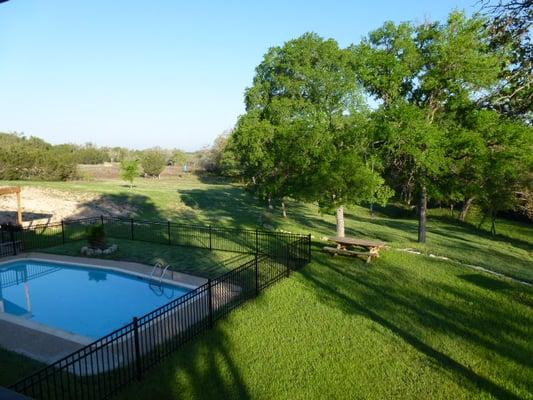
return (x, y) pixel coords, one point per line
(27, 158)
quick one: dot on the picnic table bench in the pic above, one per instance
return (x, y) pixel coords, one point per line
(354, 247)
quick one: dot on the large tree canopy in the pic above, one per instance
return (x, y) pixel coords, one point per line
(307, 132)
(423, 75)
(304, 116)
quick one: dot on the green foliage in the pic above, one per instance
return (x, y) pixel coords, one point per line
(96, 236)
(91, 154)
(219, 158)
(507, 161)
(296, 138)
(510, 24)
(24, 158)
(427, 78)
(129, 170)
(179, 157)
(153, 162)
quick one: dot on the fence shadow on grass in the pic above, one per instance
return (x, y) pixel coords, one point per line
(410, 310)
(29, 218)
(203, 370)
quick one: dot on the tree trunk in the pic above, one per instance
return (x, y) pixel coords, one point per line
(422, 215)
(340, 221)
(284, 209)
(493, 223)
(466, 207)
(482, 221)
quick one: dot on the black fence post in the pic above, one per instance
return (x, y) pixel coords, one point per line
(256, 241)
(168, 233)
(287, 260)
(309, 248)
(257, 275)
(63, 231)
(131, 225)
(210, 238)
(138, 361)
(102, 220)
(22, 243)
(210, 294)
(12, 237)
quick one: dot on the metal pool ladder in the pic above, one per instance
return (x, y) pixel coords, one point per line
(160, 265)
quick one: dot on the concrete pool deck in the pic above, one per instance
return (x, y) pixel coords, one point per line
(46, 344)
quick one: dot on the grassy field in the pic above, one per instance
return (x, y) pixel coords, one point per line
(406, 326)
(207, 264)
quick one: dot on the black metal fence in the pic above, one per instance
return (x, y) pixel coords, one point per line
(274, 244)
(100, 369)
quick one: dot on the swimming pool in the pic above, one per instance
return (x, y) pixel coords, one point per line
(77, 299)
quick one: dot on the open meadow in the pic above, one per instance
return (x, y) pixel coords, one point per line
(405, 326)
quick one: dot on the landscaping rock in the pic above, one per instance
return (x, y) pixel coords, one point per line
(88, 251)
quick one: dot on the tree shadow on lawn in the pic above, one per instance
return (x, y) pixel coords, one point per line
(202, 370)
(486, 282)
(232, 204)
(151, 244)
(448, 224)
(413, 310)
(458, 241)
(124, 205)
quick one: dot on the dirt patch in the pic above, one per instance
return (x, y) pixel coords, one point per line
(42, 205)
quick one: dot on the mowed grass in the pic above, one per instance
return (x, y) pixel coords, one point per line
(406, 326)
(204, 200)
(14, 366)
(199, 262)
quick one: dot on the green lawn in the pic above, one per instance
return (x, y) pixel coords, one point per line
(200, 262)
(404, 327)
(407, 326)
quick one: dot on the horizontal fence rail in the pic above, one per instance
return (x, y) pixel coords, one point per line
(102, 368)
(236, 240)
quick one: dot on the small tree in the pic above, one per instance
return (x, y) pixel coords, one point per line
(153, 162)
(129, 170)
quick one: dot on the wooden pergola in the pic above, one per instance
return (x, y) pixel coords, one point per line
(14, 190)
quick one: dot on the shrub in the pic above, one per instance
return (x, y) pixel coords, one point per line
(153, 162)
(96, 237)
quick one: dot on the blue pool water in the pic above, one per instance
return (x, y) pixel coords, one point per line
(82, 300)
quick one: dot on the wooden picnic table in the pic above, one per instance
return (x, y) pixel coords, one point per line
(345, 246)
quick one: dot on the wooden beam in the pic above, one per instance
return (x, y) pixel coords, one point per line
(9, 190)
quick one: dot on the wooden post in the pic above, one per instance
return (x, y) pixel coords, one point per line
(19, 207)
(14, 190)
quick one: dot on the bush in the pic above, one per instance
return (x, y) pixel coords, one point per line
(153, 162)
(96, 237)
(24, 158)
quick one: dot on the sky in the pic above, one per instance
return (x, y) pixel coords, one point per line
(141, 74)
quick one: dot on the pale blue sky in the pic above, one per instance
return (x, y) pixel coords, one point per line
(168, 73)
